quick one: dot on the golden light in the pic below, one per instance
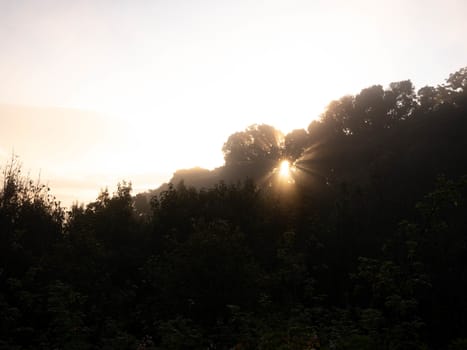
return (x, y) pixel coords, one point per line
(284, 169)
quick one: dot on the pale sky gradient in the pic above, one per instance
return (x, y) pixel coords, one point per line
(172, 79)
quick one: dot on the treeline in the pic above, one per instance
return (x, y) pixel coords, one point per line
(362, 245)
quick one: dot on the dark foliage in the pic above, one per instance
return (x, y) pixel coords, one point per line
(362, 246)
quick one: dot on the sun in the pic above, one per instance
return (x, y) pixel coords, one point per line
(284, 169)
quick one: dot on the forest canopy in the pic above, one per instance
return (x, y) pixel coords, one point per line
(360, 244)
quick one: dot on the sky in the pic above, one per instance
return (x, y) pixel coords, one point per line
(95, 91)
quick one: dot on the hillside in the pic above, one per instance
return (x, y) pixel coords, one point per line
(357, 242)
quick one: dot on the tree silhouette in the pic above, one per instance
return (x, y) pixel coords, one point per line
(257, 143)
(365, 249)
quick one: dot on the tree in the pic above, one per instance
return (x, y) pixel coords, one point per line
(370, 109)
(400, 100)
(295, 143)
(257, 143)
(458, 80)
(31, 218)
(338, 118)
